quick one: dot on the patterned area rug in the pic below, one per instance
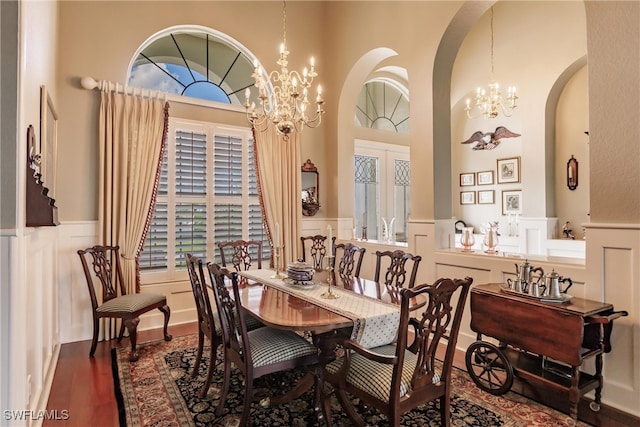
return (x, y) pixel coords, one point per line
(158, 390)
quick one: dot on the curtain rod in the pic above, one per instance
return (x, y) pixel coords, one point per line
(90, 83)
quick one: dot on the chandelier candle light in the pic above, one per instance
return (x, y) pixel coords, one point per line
(286, 106)
(490, 103)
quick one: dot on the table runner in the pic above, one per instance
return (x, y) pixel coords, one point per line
(375, 322)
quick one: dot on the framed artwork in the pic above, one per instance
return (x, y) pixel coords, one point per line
(511, 202)
(467, 179)
(484, 177)
(509, 170)
(48, 141)
(486, 197)
(467, 197)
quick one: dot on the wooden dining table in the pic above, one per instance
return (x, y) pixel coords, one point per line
(279, 309)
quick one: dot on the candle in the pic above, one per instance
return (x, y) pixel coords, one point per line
(276, 238)
(329, 234)
(364, 219)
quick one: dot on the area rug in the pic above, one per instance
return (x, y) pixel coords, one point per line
(158, 390)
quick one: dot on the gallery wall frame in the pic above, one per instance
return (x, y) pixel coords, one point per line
(484, 177)
(467, 197)
(486, 197)
(508, 170)
(48, 140)
(467, 179)
(511, 202)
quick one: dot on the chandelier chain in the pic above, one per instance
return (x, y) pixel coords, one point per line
(492, 43)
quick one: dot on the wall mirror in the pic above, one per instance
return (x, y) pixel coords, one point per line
(310, 189)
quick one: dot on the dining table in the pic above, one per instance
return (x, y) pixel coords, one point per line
(361, 309)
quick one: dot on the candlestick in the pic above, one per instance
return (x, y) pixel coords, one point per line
(277, 251)
(329, 294)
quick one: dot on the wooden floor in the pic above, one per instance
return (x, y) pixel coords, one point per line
(83, 386)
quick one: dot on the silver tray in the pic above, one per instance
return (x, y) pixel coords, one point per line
(563, 297)
(306, 285)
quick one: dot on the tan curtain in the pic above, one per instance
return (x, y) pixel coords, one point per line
(132, 138)
(278, 171)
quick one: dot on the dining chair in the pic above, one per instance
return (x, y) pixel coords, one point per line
(255, 353)
(394, 264)
(115, 302)
(317, 250)
(395, 378)
(350, 259)
(241, 253)
(207, 326)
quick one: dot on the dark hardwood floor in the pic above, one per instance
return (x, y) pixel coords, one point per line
(83, 386)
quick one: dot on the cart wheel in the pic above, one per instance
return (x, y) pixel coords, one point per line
(595, 407)
(489, 368)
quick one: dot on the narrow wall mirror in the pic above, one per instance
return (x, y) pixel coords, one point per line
(310, 189)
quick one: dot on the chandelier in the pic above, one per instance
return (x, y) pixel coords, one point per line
(287, 105)
(490, 103)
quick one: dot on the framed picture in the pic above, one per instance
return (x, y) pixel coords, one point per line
(486, 197)
(511, 202)
(467, 197)
(467, 179)
(48, 141)
(509, 170)
(484, 177)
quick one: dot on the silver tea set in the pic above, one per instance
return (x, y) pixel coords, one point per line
(533, 282)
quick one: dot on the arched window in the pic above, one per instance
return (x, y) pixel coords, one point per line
(383, 104)
(194, 62)
(208, 188)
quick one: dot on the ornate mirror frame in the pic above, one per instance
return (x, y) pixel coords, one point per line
(310, 189)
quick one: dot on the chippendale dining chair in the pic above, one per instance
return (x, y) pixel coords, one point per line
(317, 250)
(207, 327)
(393, 378)
(255, 353)
(350, 259)
(241, 253)
(394, 264)
(116, 303)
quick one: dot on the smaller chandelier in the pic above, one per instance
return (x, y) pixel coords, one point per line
(490, 103)
(287, 105)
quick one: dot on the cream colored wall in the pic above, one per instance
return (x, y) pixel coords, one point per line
(572, 120)
(533, 60)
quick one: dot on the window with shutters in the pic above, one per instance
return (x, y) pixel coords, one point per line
(208, 194)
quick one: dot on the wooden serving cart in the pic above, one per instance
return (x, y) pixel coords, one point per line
(540, 342)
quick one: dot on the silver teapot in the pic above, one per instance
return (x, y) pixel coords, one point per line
(552, 283)
(525, 273)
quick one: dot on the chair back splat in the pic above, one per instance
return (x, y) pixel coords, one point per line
(395, 264)
(241, 254)
(348, 258)
(317, 250)
(258, 352)
(396, 378)
(106, 273)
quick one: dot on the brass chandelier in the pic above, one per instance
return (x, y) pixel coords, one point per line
(490, 103)
(287, 104)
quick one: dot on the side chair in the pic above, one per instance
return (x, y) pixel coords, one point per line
(241, 254)
(255, 353)
(348, 258)
(115, 302)
(207, 327)
(395, 378)
(394, 264)
(317, 250)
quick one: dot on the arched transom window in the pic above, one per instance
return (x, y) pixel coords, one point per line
(383, 104)
(198, 63)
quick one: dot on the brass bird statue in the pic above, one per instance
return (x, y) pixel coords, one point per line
(489, 140)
